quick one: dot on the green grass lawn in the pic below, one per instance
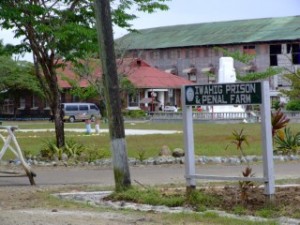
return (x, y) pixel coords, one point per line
(210, 139)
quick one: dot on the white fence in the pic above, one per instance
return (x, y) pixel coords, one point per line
(251, 116)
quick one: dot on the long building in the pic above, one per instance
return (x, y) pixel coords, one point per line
(191, 50)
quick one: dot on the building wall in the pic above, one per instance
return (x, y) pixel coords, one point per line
(203, 57)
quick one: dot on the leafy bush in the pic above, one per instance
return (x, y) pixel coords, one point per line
(135, 114)
(287, 142)
(50, 150)
(92, 153)
(293, 105)
(72, 148)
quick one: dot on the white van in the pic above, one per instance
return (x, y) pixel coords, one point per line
(80, 111)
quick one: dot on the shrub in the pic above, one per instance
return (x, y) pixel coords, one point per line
(287, 142)
(72, 148)
(293, 105)
(50, 150)
(135, 114)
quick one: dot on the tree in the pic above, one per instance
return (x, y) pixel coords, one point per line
(16, 76)
(294, 92)
(57, 31)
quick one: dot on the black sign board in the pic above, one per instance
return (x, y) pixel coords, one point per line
(223, 94)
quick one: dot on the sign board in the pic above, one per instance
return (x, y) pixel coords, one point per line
(223, 94)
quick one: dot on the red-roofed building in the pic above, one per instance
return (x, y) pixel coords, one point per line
(156, 88)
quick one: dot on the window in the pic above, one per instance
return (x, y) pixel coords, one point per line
(83, 107)
(94, 107)
(22, 103)
(274, 51)
(8, 106)
(72, 108)
(133, 100)
(294, 50)
(249, 49)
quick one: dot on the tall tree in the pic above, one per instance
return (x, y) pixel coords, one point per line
(16, 77)
(60, 30)
(55, 31)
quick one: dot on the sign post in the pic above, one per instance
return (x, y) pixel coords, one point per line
(189, 144)
(250, 93)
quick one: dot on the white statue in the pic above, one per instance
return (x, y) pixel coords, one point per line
(227, 75)
(226, 70)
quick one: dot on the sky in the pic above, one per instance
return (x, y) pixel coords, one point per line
(200, 11)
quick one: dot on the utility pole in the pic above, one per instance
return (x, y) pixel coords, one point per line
(112, 95)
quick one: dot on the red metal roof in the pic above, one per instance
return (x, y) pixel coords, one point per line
(141, 74)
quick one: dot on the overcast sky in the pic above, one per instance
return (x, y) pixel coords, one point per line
(199, 11)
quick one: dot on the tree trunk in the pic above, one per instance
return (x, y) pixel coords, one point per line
(112, 97)
(52, 94)
(59, 127)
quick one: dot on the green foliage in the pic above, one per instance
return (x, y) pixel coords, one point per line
(293, 105)
(134, 114)
(289, 143)
(16, 76)
(237, 55)
(199, 200)
(253, 76)
(141, 154)
(294, 92)
(239, 139)
(49, 150)
(276, 105)
(239, 210)
(149, 196)
(270, 211)
(92, 153)
(278, 120)
(72, 148)
(122, 18)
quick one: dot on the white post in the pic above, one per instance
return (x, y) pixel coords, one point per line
(188, 142)
(266, 136)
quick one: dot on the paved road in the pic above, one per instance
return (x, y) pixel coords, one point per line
(149, 175)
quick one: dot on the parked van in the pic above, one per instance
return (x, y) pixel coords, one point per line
(80, 111)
